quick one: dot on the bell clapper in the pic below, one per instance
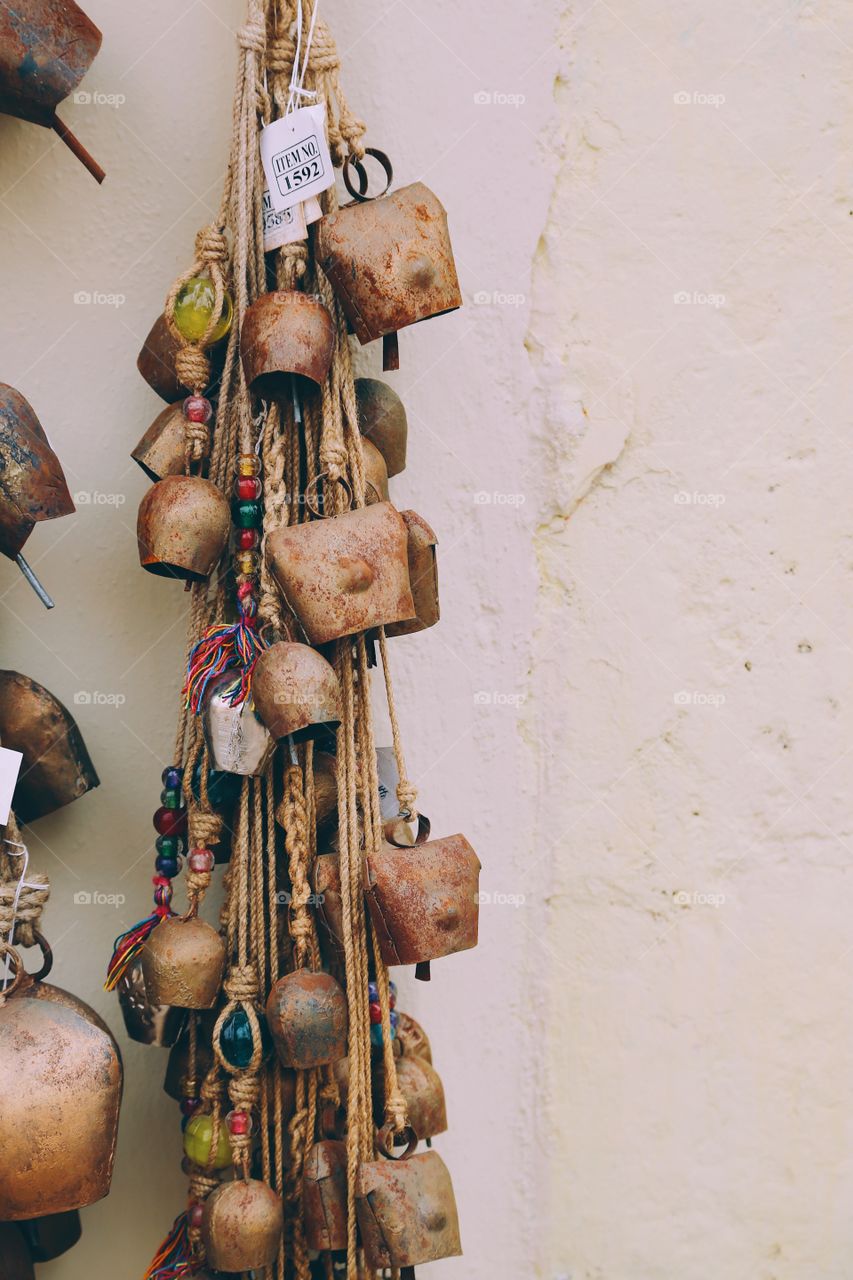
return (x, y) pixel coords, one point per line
(76, 147)
(34, 582)
(297, 412)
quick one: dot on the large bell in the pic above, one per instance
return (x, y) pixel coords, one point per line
(56, 767)
(307, 1018)
(286, 333)
(241, 1226)
(296, 692)
(182, 528)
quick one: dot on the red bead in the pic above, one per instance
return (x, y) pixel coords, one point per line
(248, 487)
(194, 1214)
(201, 860)
(170, 822)
(162, 880)
(375, 1014)
(246, 539)
(238, 1122)
(244, 589)
(197, 409)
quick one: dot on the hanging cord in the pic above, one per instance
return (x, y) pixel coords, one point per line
(23, 894)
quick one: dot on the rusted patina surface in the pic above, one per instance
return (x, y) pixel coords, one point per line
(46, 47)
(324, 1195)
(162, 450)
(326, 883)
(307, 1018)
(420, 1085)
(390, 261)
(50, 1237)
(241, 1226)
(423, 575)
(285, 333)
(413, 1039)
(156, 362)
(295, 691)
(375, 474)
(182, 963)
(60, 1091)
(344, 574)
(182, 528)
(382, 420)
(147, 1023)
(56, 767)
(16, 1261)
(423, 899)
(407, 1211)
(32, 483)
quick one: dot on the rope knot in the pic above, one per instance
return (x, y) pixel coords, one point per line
(241, 985)
(253, 36)
(211, 245)
(192, 368)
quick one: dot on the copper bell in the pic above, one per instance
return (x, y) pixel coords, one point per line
(156, 361)
(420, 1085)
(16, 1261)
(241, 1226)
(60, 1085)
(307, 1018)
(406, 1209)
(382, 420)
(344, 574)
(423, 575)
(390, 262)
(147, 1023)
(375, 474)
(285, 333)
(32, 482)
(237, 741)
(182, 963)
(182, 528)
(50, 1237)
(162, 451)
(46, 48)
(56, 767)
(423, 899)
(296, 692)
(324, 1195)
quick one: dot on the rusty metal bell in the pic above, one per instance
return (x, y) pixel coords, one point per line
(162, 450)
(182, 528)
(60, 1091)
(296, 691)
(423, 575)
(382, 420)
(241, 1226)
(413, 1039)
(420, 1085)
(50, 1237)
(307, 1018)
(423, 899)
(16, 1261)
(46, 48)
(182, 963)
(56, 767)
(390, 261)
(324, 1195)
(344, 574)
(32, 482)
(375, 474)
(147, 1023)
(406, 1209)
(237, 740)
(286, 333)
(156, 361)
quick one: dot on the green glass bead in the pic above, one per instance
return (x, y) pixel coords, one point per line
(198, 1136)
(169, 846)
(247, 514)
(193, 307)
(236, 1041)
(170, 799)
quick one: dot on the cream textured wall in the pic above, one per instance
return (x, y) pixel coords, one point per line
(632, 443)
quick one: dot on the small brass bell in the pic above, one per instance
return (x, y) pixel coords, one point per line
(156, 361)
(375, 474)
(307, 1018)
(406, 1209)
(324, 1195)
(241, 1226)
(144, 1022)
(182, 528)
(382, 420)
(50, 1237)
(60, 1090)
(56, 767)
(296, 692)
(237, 741)
(182, 963)
(420, 1085)
(16, 1261)
(344, 574)
(162, 450)
(423, 575)
(285, 333)
(32, 482)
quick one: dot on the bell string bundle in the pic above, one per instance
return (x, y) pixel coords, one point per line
(298, 1078)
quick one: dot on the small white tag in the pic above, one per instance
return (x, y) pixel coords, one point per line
(283, 227)
(313, 210)
(10, 767)
(386, 763)
(295, 156)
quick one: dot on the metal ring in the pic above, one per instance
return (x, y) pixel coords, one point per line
(6, 950)
(362, 193)
(46, 956)
(385, 1141)
(315, 486)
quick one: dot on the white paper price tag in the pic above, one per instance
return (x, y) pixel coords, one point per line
(295, 156)
(10, 767)
(283, 227)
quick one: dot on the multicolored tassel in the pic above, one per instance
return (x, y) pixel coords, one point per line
(128, 945)
(226, 647)
(173, 1259)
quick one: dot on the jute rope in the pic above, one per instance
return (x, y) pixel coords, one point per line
(22, 901)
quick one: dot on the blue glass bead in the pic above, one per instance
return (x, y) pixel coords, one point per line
(169, 846)
(167, 866)
(373, 992)
(395, 1019)
(236, 1039)
(376, 1030)
(170, 798)
(172, 776)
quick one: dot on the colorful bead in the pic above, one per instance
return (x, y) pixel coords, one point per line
(247, 514)
(172, 776)
(198, 1139)
(248, 487)
(239, 1123)
(169, 846)
(170, 799)
(168, 867)
(246, 539)
(375, 1013)
(392, 994)
(189, 1106)
(244, 589)
(197, 409)
(195, 1213)
(376, 1030)
(194, 306)
(249, 464)
(201, 860)
(247, 562)
(236, 1040)
(163, 895)
(373, 992)
(170, 822)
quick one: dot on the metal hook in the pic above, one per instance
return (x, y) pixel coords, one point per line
(34, 582)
